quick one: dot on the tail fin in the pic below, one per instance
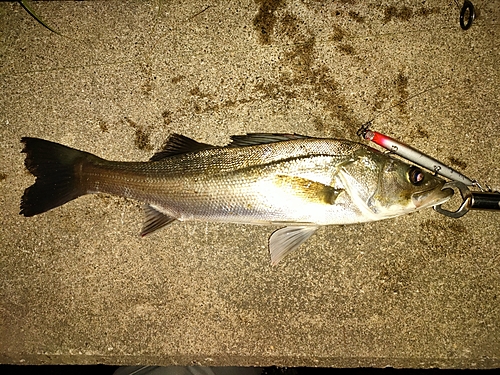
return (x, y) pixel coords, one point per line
(56, 170)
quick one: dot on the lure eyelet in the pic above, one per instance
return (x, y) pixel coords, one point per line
(415, 176)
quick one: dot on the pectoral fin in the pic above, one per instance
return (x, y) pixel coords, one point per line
(285, 240)
(309, 190)
(154, 220)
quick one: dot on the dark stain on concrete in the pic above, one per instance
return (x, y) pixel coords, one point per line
(402, 86)
(395, 95)
(131, 123)
(195, 91)
(269, 90)
(347, 49)
(167, 117)
(395, 276)
(422, 133)
(103, 126)
(204, 102)
(389, 12)
(449, 226)
(147, 87)
(404, 13)
(319, 125)
(356, 16)
(427, 11)
(380, 98)
(142, 141)
(148, 79)
(197, 108)
(457, 162)
(213, 106)
(289, 25)
(306, 77)
(301, 57)
(443, 238)
(274, 91)
(265, 19)
(177, 79)
(338, 34)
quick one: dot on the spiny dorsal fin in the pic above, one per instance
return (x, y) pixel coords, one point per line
(154, 220)
(285, 240)
(179, 144)
(261, 138)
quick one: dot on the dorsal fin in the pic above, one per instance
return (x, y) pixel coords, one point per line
(261, 138)
(178, 144)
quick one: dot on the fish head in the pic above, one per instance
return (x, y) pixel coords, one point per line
(388, 187)
(403, 188)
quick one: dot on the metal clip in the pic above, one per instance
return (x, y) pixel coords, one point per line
(464, 207)
(471, 200)
(467, 15)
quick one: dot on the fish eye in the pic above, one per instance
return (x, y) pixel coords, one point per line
(415, 175)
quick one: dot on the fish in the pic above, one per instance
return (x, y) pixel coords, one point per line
(298, 182)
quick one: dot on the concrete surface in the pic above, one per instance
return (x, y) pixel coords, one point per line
(78, 285)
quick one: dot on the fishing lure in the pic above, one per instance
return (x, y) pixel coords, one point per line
(415, 156)
(486, 199)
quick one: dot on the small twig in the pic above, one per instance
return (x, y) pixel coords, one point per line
(197, 14)
(35, 16)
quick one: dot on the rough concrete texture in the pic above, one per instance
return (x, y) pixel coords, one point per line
(78, 285)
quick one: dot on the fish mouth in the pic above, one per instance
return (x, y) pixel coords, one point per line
(432, 197)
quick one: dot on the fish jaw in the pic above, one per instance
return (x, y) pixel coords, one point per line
(431, 197)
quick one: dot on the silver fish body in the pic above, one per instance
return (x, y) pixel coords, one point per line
(291, 180)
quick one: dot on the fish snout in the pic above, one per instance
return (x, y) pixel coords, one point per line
(432, 197)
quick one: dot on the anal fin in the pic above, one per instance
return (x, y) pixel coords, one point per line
(285, 240)
(154, 220)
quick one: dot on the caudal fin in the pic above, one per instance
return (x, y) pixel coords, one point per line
(56, 170)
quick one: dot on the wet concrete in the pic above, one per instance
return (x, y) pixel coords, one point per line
(78, 285)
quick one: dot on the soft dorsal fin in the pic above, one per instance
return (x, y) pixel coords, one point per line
(285, 240)
(154, 220)
(179, 144)
(261, 138)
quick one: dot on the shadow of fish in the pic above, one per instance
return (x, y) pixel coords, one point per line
(292, 180)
